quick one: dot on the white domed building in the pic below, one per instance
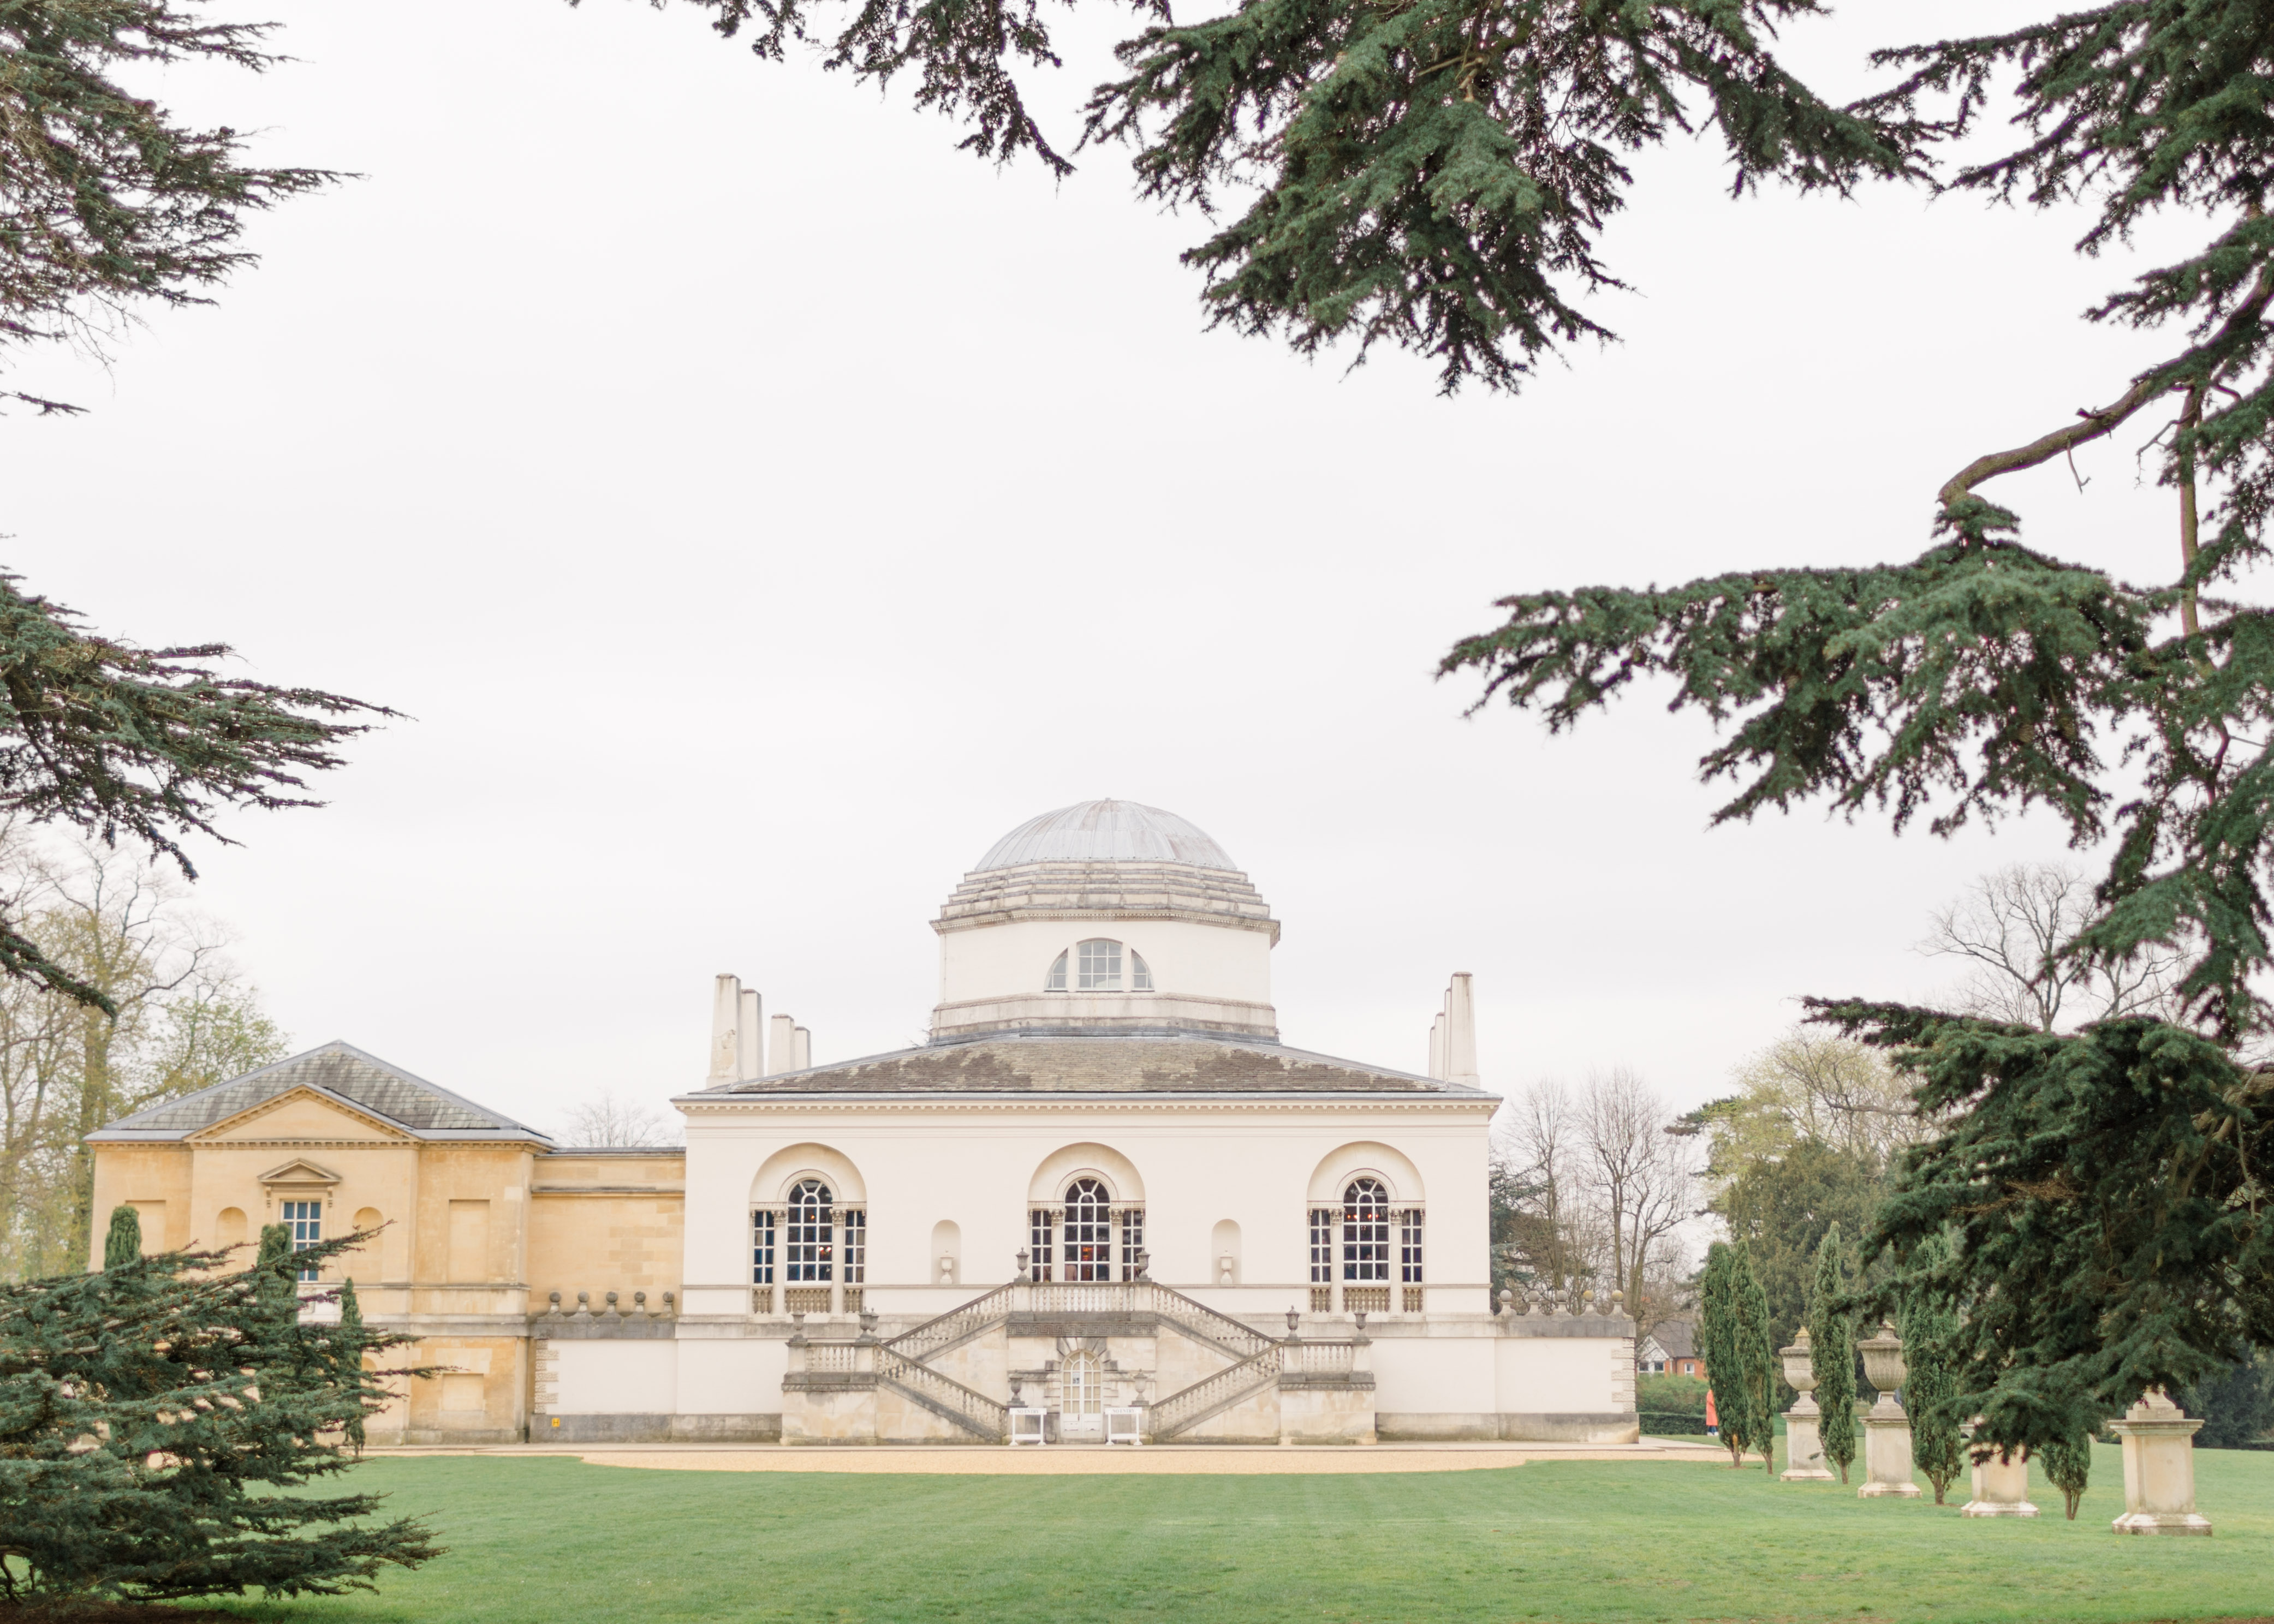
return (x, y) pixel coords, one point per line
(1104, 1199)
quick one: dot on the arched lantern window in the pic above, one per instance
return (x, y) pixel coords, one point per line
(1099, 965)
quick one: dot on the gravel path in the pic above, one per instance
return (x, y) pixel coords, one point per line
(1060, 1459)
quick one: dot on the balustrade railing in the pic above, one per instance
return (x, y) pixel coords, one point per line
(1191, 1314)
(1320, 1359)
(990, 1414)
(953, 1326)
(828, 1357)
(1189, 1405)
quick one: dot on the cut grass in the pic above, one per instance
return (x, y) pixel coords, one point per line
(537, 1540)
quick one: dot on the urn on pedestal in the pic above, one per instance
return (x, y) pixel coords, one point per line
(1804, 1446)
(1887, 1429)
(2159, 1469)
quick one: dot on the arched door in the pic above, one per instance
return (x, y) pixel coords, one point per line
(1081, 1396)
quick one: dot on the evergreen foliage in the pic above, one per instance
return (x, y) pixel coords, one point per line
(2108, 1231)
(1733, 1338)
(1782, 1206)
(1832, 1353)
(1756, 1359)
(2066, 1460)
(153, 743)
(2236, 1405)
(107, 201)
(124, 1242)
(1435, 176)
(1930, 1385)
(193, 1385)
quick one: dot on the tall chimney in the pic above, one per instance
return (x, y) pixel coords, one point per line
(751, 1038)
(804, 1048)
(725, 1012)
(1437, 1047)
(781, 1046)
(1461, 1032)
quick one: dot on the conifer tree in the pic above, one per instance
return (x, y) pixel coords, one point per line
(1756, 1350)
(1718, 1343)
(124, 1242)
(196, 1385)
(1832, 1354)
(2068, 1462)
(1930, 1383)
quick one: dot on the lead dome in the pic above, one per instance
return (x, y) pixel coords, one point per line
(1092, 831)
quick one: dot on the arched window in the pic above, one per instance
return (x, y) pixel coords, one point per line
(1365, 1232)
(810, 1248)
(1087, 1237)
(1098, 966)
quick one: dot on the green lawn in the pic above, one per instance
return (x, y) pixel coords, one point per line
(552, 1539)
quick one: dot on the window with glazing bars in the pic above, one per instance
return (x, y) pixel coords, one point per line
(1038, 1242)
(762, 1247)
(1366, 1231)
(305, 1220)
(808, 1251)
(1099, 966)
(1088, 1239)
(1132, 1240)
(1322, 1245)
(1409, 1246)
(856, 1246)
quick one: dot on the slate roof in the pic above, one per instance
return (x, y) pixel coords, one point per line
(1678, 1337)
(1049, 1063)
(342, 1072)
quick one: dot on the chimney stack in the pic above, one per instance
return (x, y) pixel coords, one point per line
(726, 1017)
(781, 1046)
(749, 1039)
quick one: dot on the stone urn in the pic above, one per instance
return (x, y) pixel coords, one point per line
(1887, 1429)
(1804, 1443)
(2159, 1468)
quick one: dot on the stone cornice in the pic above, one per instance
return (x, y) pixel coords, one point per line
(807, 1105)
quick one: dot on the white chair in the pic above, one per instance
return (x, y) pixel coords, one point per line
(1124, 1424)
(1030, 1425)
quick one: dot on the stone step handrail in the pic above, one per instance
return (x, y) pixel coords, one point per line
(1188, 1407)
(988, 1416)
(1208, 1324)
(1320, 1359)
(981, 1313)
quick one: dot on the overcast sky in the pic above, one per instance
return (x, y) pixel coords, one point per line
(758, 507)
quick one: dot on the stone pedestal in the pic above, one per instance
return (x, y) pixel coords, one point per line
(2002, 1488)
(1804, 1448)
(2159, 1470)
(1887, 1452)
(1887, 1429)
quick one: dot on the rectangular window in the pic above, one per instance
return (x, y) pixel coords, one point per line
(856, 1246)
(1365, 1242)
(305, 1220)
(762, 1247)
(1038, 1243)
(1101, 968)
(1409, 1247)
(1322, 1245)
(809, 1251)
(1132, 1240)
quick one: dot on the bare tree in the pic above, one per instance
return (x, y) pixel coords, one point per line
(1539, 1163)
(1639, 1176)
(609, 1119)
(1809, 1084)
(2014, 928)
(185, 1019)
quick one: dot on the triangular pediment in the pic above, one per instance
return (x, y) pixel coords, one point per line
(299, 1170)
(304, 1114)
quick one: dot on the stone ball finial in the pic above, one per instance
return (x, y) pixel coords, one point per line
(1507, 1304)
(639, 1303)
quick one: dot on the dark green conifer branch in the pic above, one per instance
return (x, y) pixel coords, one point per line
(149, 743)
(2105, 1198)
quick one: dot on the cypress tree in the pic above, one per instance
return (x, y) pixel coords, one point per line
(1718, 1343)
(1832, 1354)
(195, 1385)
(1931, 1386)
(123, 1244)
(2067, 1462)
(1756, 1351)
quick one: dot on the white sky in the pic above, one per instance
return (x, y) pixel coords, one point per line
(760, 507)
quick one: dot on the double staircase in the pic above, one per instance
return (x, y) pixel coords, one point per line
(903, 1363)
